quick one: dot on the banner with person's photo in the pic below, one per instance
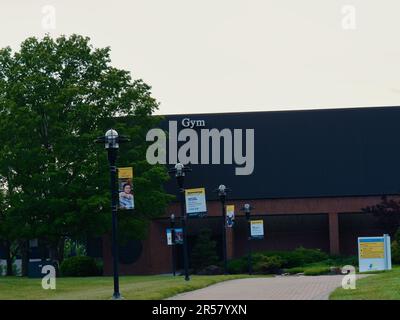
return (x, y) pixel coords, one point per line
(125, 188)
(230, 215)
(178, 236)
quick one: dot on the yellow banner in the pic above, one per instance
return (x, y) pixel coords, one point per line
(372, 250)
(199, 191)
(230, 209)
(125, 173)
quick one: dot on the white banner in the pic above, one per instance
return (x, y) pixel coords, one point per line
(195, 201)
(257, 229)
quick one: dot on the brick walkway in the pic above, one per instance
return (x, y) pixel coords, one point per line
(276, 288)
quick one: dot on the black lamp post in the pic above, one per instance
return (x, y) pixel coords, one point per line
(111, 142)
(173, 243)
(247, 209)
(179, 171)
(222, 197)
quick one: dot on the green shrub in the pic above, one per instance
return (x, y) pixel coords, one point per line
(15, 269)
(395, 252)
(295, 261)
(340, 261)
(395, 247)
(298, 257)
(268, 264)
(204, 252)
(100, 266)
(79, 266)
(397, 236)
(237, 266)
(302, 256)
(74, 248)
(315, 271)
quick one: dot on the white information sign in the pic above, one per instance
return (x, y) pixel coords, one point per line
(195, 201)
(374, 253)
(257, 229)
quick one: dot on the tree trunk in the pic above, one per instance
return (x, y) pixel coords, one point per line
(9, 259)
(53, 255)
(53, 252)
(24, 249)
(61, 246)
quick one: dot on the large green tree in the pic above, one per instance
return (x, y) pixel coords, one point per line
(56, 97)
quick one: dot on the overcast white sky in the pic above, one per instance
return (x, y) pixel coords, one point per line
(235, 55)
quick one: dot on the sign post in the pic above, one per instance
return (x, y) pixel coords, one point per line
(374, 253)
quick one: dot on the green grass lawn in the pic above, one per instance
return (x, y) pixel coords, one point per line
(131, 287)
(313, 269)
(381, 286)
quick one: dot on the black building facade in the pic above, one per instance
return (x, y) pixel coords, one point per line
(314, 171)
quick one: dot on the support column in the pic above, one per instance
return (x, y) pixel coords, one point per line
(229, 243)
(333, 233)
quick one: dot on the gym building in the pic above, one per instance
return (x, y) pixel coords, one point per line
(313, 173)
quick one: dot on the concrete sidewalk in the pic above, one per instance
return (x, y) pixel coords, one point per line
(275, 288)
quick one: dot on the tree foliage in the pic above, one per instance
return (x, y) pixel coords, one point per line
(56, 97)
(387, 213)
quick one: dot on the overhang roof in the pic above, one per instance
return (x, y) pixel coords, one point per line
(308, 153)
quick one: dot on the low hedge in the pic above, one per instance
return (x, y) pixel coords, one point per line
(80, 266)
(292, 262)
(268, 264)
(316, 271)
(238, 266)
(294, 270)
(395, 252)
(298, 257)
(341, 261)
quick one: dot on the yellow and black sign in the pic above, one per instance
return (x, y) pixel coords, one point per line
(372, 250)
(125, 173)
(195, 201)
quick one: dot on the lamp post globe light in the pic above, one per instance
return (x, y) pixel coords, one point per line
(179, 170)
(222, 190)
(111, 141)
(172, 219)
(247, 210)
